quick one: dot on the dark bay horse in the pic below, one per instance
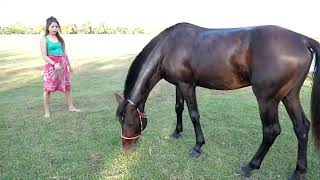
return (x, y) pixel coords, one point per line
(273, 60)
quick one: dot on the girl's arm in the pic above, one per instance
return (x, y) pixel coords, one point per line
(70, 68)
(67, 58)
(43, 47)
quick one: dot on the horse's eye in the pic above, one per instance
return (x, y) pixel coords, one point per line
(131, 109)
(120, 118)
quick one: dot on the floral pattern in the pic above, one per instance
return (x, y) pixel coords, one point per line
(57, 80)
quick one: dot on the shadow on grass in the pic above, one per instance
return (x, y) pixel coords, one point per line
(5, 54)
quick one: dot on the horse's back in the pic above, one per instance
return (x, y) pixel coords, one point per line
(234, 58)
(193, 54)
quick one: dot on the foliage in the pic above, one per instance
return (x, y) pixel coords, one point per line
(17, 28)
(103, 28)
(85, 28)
(69, 29)
(137, 30)
(37, 29)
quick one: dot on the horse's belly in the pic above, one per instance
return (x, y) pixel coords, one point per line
(223, 82)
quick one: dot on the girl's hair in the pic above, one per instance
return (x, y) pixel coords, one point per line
(49, 21)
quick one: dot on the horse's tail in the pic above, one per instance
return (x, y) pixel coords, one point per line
(315, 94)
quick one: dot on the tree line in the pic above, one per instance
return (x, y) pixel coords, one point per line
(85, 28)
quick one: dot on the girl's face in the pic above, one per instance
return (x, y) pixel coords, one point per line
(53, 28)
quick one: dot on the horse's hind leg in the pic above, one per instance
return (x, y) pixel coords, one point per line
(301, 128)
(179, 109)
(188, 92)
(268, 108)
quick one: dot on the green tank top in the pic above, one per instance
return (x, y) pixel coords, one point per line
(54, 48)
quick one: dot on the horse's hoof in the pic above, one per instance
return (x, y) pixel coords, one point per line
(194, 153)
(244, 170)
(175, 135)
(297, 176)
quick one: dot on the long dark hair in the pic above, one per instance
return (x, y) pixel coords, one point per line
(60, 39)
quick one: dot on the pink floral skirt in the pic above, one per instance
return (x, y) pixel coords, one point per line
(57, 81)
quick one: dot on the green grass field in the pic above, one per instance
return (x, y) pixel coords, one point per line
(86, 145)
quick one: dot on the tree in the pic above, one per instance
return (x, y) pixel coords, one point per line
(17, 28)
(122, 30)
(37, 29)
(86, 28)
(101, 28)
(137, 30)
(70, 29)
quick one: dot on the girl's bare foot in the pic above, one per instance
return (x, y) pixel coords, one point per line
(73, 109)
(46, 115)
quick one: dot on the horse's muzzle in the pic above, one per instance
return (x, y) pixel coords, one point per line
(129, 145)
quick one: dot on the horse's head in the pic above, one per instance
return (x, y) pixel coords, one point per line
(132, 122)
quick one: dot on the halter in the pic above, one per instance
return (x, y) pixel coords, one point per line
(140, 115)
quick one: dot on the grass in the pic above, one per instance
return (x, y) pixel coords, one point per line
(86, 145)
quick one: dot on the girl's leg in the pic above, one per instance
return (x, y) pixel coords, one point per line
(46, 100)
(69, 102)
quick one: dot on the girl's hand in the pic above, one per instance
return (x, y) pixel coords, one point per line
(57, 67)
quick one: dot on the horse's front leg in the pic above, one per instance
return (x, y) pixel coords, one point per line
(188, 92)
(179, 109)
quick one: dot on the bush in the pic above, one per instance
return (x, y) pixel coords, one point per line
(69, 29)
(85, 28)
(137, 30)
(17, 28)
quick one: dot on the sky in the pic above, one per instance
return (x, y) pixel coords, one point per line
(299, 15)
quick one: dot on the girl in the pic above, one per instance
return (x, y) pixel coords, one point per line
(57, 68)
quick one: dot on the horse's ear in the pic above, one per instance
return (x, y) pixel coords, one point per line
(119, 98)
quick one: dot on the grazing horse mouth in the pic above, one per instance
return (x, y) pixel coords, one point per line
(129, 145)
(129, 142)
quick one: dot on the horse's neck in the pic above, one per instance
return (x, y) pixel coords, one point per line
(147, 79)
(148, 75)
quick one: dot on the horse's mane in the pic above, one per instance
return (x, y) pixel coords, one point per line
(140, 60)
